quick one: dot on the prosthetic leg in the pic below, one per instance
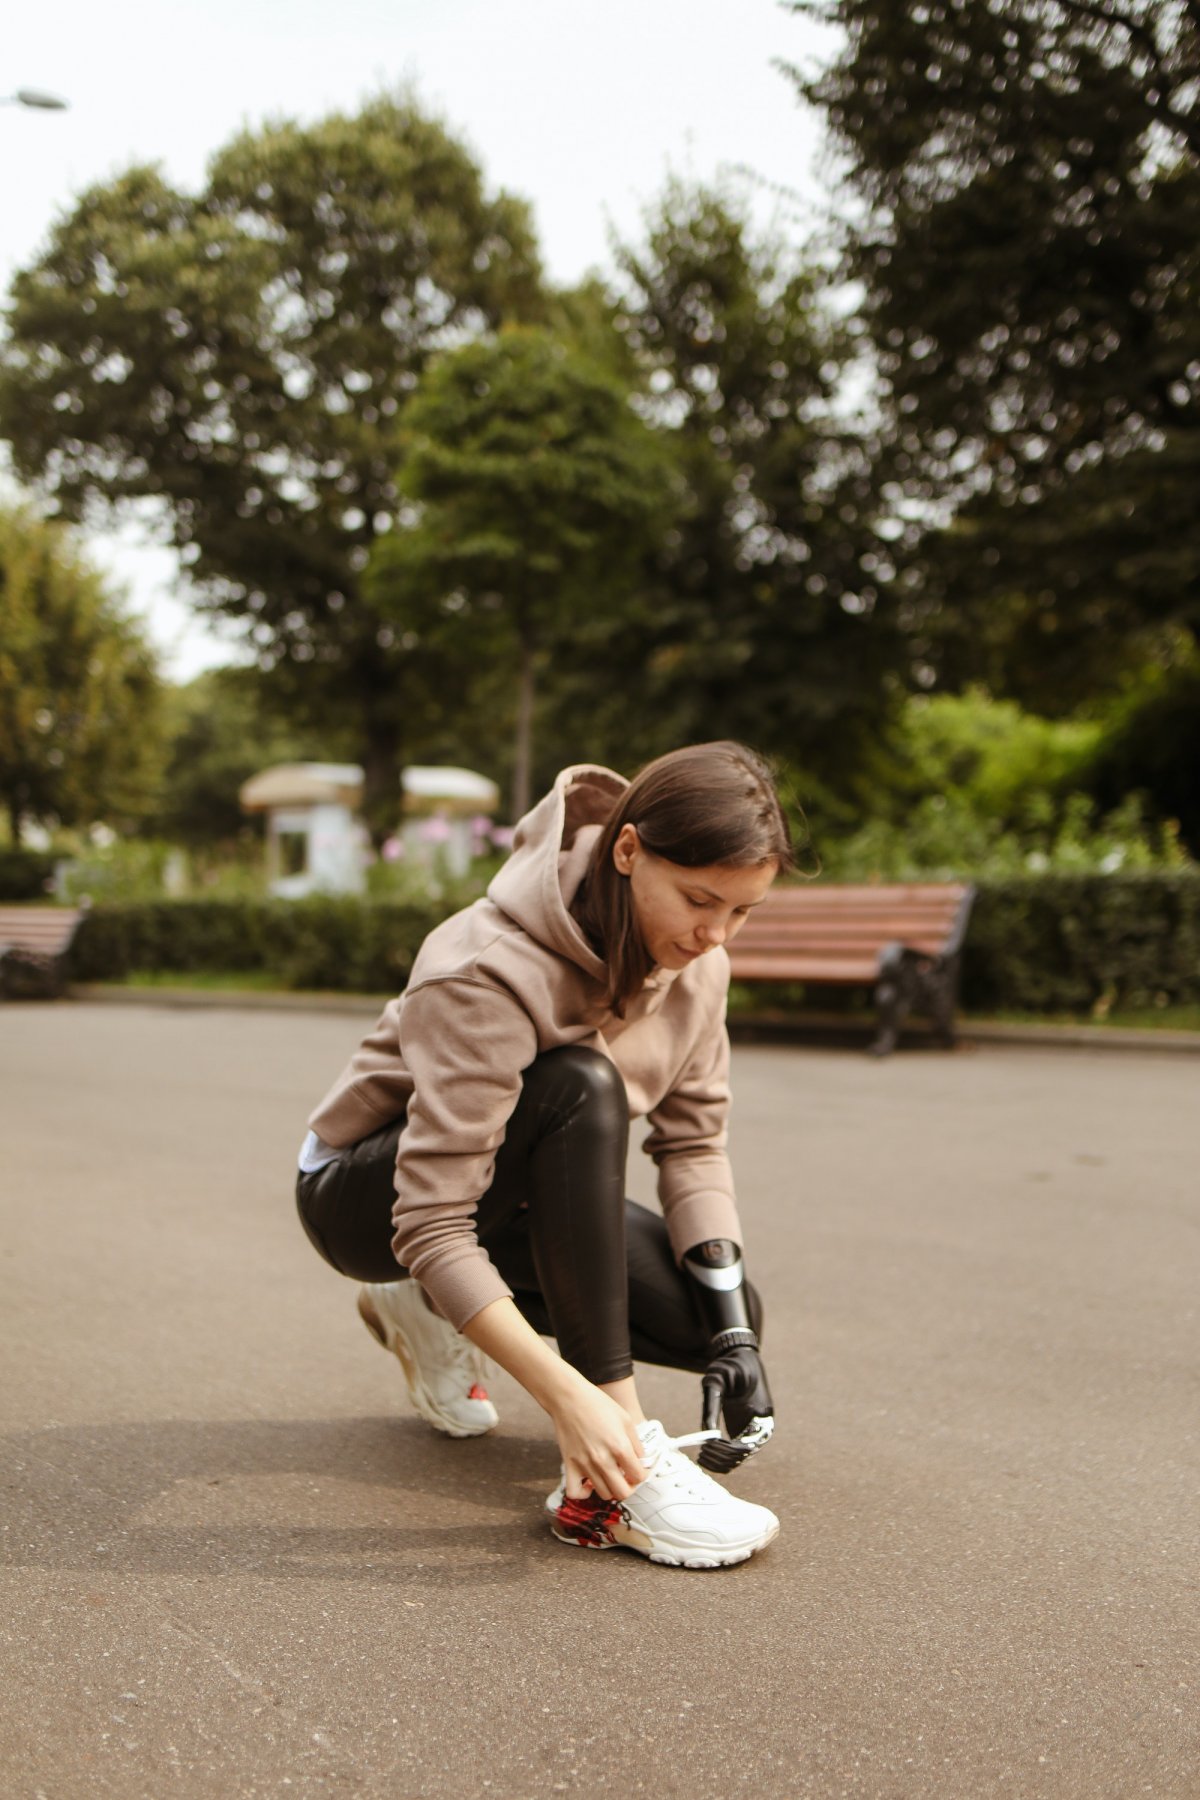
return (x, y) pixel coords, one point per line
(735, 1382)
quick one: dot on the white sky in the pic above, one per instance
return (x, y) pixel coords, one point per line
(582, 110)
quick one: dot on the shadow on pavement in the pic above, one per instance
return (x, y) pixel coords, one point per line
(376, 1499)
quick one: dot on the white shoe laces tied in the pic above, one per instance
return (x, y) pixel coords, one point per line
(679, 1469)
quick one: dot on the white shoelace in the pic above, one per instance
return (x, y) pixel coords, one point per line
(470, 1361)
(461, 1355)
(679, 1469)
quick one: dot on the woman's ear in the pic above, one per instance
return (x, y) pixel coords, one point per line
(626, 849)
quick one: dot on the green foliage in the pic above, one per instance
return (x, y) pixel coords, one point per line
(988, 752)
(420, 884)
(79, 693)
(131, 868)
(327, 943)
(1084, 943)
(944, 838)
(536, 491)
(768, 624)
(222, 728)
(1151, 745)
(1057, 943)
(246, 355)
(964, 786)
(1026, 226)
(25, 874)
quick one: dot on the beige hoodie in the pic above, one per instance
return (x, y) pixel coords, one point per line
(493, 987)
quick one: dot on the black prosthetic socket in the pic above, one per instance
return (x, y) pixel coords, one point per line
(718, 1286)
(735, 1382)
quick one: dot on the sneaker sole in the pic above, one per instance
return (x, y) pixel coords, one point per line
(392, 1338)
(617, 1534)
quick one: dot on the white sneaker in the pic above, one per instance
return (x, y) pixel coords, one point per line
(677, 1514)
(444, 1371)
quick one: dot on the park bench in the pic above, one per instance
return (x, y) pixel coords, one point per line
(902, 941)
(34, 941)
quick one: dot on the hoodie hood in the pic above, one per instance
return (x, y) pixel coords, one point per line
(552, 846)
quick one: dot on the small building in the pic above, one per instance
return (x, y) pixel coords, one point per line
(443, 809)
(316, 844)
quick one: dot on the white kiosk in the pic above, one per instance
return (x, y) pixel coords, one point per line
(443, 807)
(315, 842)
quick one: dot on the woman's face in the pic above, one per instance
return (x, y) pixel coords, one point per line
(682, 913)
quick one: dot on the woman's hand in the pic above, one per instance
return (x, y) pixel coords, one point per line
(736, 1381)
(601, 1450)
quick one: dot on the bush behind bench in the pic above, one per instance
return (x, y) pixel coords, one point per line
(1061, 943)
(25, 874)
(1038, 944)
(348, 945)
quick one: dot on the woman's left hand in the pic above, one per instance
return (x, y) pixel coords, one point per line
(736, 1381)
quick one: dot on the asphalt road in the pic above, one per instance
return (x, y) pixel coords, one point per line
(235, 1564)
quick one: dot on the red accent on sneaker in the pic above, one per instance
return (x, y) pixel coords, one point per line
(588, 1520)
(477, 1391)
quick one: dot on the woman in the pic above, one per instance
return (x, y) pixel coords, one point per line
(478, 1138)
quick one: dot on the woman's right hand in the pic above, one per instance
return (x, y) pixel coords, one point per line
(601, 1450)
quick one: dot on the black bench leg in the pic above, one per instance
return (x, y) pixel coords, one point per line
(24, 975)
(893, 996)
(943, 999)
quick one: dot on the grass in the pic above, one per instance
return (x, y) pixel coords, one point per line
(258, 981)
(1146, 1018)
(1150, 1018)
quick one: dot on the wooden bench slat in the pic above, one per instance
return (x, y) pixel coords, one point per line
(50, 932)
(875, 926)
(848, 899)
(797, 968)
(785, 931)
(867, 956)
(877, 920)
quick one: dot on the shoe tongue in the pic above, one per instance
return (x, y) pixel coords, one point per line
(653, 1437)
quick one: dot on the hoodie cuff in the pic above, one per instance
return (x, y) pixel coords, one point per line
(462, 1285)
(699, 1218)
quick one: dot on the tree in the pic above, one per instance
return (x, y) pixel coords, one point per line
(1151, 747)
(771, 625)
(220, 729)
(79, 692)
(245, 356)
(536, 492)
(1026, 227)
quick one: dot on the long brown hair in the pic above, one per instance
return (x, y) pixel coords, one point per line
(704, 806)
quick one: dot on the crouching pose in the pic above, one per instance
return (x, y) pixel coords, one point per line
(468, 1167)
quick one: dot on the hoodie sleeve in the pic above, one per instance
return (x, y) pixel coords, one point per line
(689, 1131)
(466, 1045)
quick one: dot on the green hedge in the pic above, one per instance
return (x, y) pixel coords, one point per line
(25, 874)
(356, 946)
(1040, 944)
(1060, 943)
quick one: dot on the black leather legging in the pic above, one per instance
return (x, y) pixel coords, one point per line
(587, 1266)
